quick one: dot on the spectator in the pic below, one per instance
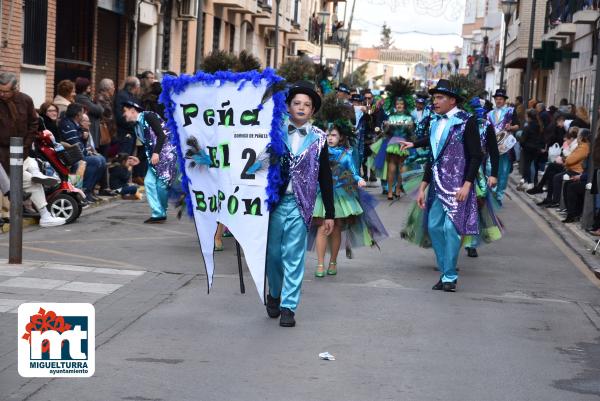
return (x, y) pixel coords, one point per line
(582, 118)
(94, 111)
(49, 114)
(533, 143)
(544, 115)
(150, 100)
(556, 165)
(146, 80)
(17, 118)
(65, 96)
(573, 165)
(125, 134)
(120, 176)
(91, 147)
(105, 98)
(555, 132)
(71, 132)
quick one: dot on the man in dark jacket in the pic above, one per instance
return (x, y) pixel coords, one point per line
(94, 110)
(125, 134)
(17, 118)
(71, 132)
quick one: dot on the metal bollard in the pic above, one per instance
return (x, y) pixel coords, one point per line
(15, 238)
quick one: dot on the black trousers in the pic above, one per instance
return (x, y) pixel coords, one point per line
(574, 193)
(530, 160)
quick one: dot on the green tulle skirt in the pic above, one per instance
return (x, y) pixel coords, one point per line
(345, 204)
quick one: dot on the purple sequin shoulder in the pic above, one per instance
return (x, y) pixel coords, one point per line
(166, 169)
(448, 177)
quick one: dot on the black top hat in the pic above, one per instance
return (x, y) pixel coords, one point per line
(130, 104)
(444, 87)
(356, 98)
(306, 88)
(500, 93)
(343, 88)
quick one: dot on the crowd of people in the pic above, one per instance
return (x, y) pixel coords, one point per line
(114, 157)
(563, 10)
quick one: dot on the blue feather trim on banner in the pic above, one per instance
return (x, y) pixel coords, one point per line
(175, 85)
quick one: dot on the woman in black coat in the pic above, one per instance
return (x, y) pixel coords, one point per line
(532, 143)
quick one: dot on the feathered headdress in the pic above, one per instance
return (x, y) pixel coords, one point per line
(333, 113)
(469, 89)
(399, 88)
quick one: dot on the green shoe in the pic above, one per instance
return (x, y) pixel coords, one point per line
(320, 272)
(218, 248)
(330, 271)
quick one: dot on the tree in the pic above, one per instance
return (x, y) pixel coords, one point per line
(386, 37)
(358, 77)
(297, 69)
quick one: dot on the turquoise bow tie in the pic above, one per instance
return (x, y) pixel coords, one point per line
(441, 116)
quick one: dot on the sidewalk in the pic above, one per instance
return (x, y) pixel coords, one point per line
(573, 234)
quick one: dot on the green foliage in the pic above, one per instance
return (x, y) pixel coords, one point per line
(297, 69)
(221, 60)
(358, 77)
(386, 40)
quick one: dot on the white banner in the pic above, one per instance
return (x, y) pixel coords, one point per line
(229, 128)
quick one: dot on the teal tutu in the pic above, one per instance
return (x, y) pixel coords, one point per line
(415, 230)
(346, 205)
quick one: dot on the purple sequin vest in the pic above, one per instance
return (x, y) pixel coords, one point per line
(449, 170)
(303, 170)
(166, 169)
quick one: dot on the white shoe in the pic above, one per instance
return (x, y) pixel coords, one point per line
(527, 187)
(46, 180)
(50, 221)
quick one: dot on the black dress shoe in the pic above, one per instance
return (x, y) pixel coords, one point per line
(449, 287)
(287, 318)
(107, 192)
(438, 286)
(543, 203)
(551, 205)
(155, 220)
(570, 219)
(273, 306)
(472, 252)
(534, 191)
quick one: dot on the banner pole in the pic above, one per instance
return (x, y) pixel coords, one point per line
(239, 260)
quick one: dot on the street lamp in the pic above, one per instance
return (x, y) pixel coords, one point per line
(341, 34)
(324, 16)
(508, 8)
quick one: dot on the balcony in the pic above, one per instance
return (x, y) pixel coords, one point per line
(586, 17)
(239, 6)
(563, 31)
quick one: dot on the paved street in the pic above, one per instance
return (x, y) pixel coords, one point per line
(524, 325)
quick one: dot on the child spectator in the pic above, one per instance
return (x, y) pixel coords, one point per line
(120, 176)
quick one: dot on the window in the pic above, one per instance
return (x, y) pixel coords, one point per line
(34, 37)
(231, 37)
(216, 33)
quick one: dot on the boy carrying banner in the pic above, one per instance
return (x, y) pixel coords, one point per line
(304, 168)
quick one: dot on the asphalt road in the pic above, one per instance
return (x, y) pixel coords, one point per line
(524, 324)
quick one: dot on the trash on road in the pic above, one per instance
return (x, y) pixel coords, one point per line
(326, 356)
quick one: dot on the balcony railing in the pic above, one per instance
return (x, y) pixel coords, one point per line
(561, 11)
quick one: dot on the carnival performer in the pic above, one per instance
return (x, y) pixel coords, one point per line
(505, 122)
(150, 130)
(490, 226)
(450, 202)
(304, 166)
(355, 213)
(398, 126)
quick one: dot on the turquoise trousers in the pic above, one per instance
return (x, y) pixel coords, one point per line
(157, 194)
(504, 166)
(445, 241)
(286, 249)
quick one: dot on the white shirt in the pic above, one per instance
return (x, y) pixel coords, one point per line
(295, 141)
(442, 125)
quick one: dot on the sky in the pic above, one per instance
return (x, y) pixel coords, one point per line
(429, 16)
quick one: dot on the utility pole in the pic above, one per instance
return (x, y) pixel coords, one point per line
(347, 44)
(199, 35)
(276, 53)
(527, 83)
